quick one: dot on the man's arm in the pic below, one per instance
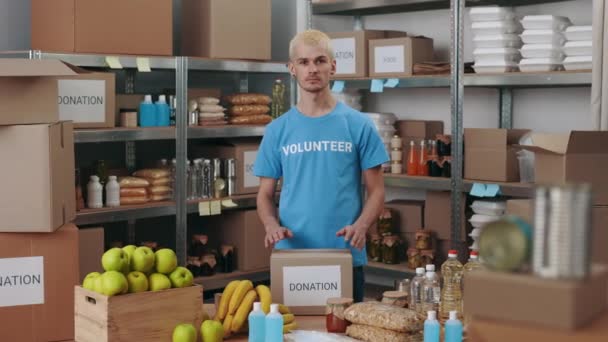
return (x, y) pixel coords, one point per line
(374, 184)
(267, 211)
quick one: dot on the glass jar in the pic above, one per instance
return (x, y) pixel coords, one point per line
(414, 259)
(390, 249)
(335, 322)
(423, 239)
(385, 223)
(395, 298)
(447, 167)
(375, 248)
(427, 256)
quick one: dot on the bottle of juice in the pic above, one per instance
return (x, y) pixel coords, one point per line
(451, 294)
(412, 160)
(423, 167)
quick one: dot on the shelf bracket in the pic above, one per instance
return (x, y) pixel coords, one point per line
(505, 107)
(181, 155)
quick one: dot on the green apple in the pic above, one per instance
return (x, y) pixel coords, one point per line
(142, 259)
(114, 283)
(212, 331)
(115, 259)
(184, 333)
(129, 249)
(89, 281)
(98, 284)
(181, 277)
(138, 282)
(166, 261)
(158, 282)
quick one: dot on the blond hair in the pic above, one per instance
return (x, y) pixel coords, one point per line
(311, 38)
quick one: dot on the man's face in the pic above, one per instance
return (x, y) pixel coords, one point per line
(312, 67)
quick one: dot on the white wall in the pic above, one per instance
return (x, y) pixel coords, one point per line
(14, 25)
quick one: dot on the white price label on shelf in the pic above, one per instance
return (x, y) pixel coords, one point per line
(215, 207)
(204, 208)
(21, 281)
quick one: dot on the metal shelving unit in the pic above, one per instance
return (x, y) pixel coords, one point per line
(228, 131)
(124, 213)
(220, 280)
(123, 134)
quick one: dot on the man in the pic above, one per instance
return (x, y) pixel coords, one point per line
(321, 148)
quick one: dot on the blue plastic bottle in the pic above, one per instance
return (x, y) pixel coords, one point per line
(163, 112)
(431, 327)
(147, 112)
(453, 328)
(257, 322)
(274, 325)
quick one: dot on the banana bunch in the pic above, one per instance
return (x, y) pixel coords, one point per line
(237, 302)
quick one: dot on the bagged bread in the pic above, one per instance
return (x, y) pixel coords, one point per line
(133, 192)
(152, 173)
(249, 109)
(133, 200)
(159, 190)
(210, 108)
(384, 316)
(208, 101)
(133, 182)
(374, 334)
(160, 181)
(156, 198)
(248, 98)
(212, 122)
(250, 120)
(210, 115)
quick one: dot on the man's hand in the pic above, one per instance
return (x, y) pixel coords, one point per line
(275, 234)
(355, 234)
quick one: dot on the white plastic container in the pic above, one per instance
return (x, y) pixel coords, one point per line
(578, 63)
(540, 64)
(112, 192)
(579, 48)
(479, 221)
(491, 13)
(497, 41)
(94, 193)
(575, 33)
(545, 22)
(543, 37)
(542, 51)
(492, 208)
(496, 27)
(495, 67)
(490, 55)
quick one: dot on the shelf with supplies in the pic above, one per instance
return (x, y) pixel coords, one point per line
(123, 134)
(373, 7)
(236, 202)
(513, 80)
(125, 212)
(220, 280)
(225, 131)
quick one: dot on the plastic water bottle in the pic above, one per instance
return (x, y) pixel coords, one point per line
(112, 192)
(416, 290)
(471, 266)
(147, 112)
(274, 325)
(431, 327)
(451, 294)
(431, 290)
(94, 193)
(194, 180)
(163, 112)
(453, 328)
(257, 322)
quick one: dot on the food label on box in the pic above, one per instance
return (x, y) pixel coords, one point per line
(389, 59)
(311, 285)
(345, 54)
(21, 281)
(82, 100)
(249, 179)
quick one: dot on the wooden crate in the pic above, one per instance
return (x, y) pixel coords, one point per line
(142, 317)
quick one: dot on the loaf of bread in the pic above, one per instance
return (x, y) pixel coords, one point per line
(133, 182)
(133, 200)
(250, 120)
(249, 110)
(156, 198)
(210, 108)
(159, 190)
(152, 173)
(160, 181)
(374, 334)
(133, 192)
(248, 98)
(384, 316)
(208, 101)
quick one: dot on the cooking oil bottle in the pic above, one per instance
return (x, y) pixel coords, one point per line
(471, 266)
(451, 293)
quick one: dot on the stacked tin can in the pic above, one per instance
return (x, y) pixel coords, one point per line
(396, 155)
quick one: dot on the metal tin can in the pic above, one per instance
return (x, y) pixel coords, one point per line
(217, 168)
(230, 173)
(207, 180)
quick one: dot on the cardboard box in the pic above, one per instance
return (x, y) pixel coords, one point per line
(396, 57)
(523, 208)
(52, 25)
(91, 244)
(88, 99)
(490, 155)
(140, 316)
(407, 215)
(351, 52)
(438, 215)
(304, 279)
(483, 330)
(416, 130)
(235, 29)
(43, 270)
(599, 234)
(523, 298)
(244, 231)
(37, 180)
(577, 157)
(244, 151)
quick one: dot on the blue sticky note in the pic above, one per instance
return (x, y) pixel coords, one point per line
(377, 86)
(338, 86)
(391, 83)
(492, 190)
(478, 190)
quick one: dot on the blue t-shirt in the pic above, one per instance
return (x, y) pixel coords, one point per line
(320, 160)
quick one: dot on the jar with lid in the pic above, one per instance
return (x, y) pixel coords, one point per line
(375, 248)
(427, 256)
(390, 249)
(414, 259)
(335, 322)
(423, 239)
(385, 223)
(395, 298)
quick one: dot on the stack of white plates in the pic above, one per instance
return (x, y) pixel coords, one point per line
(543, 43)
(578, 48)
(495, 38)
(484, 212)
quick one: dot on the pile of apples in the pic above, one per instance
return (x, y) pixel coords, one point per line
(134, 269)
